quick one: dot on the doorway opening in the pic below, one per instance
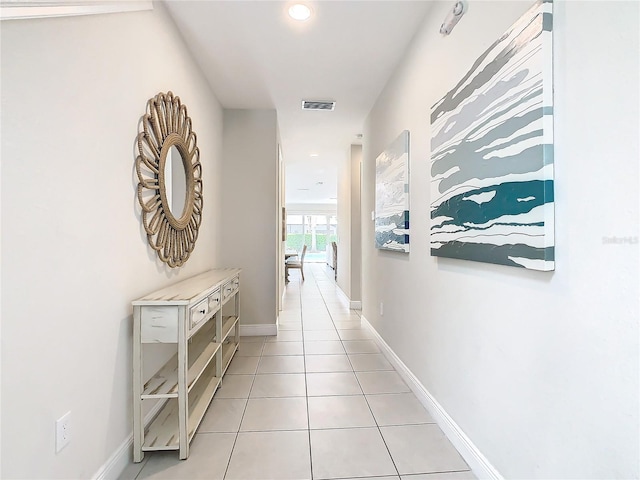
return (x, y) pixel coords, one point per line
(314, 230)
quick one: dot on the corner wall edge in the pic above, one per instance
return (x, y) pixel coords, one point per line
(21, 10)
(258, 330)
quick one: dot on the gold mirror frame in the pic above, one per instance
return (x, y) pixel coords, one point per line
(166, 124)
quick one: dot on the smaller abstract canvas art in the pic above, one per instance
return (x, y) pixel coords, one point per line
(392, 196)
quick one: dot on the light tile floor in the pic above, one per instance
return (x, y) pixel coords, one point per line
(317, 401)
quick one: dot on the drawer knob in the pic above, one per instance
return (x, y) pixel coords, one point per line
(203, 311)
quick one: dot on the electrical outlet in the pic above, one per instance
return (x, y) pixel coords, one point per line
(63, 431)
(381, 309)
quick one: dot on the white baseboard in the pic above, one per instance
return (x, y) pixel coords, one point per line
(474, 458)
(123, 456)
(258, 330)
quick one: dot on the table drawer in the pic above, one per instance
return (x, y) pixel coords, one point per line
(230, 288)
(198, 313)
(214, 301)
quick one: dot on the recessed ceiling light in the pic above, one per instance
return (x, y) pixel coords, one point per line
(299, 12)
(314, 155)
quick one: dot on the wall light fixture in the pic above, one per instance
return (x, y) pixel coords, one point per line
(453, 17)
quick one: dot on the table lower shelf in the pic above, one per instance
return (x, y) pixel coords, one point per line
(165, 383)
(228, 350)
(163, 433)
(228, 324)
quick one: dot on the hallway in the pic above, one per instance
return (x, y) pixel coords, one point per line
(328, 407)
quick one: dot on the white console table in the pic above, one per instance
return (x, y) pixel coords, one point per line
(200, 315)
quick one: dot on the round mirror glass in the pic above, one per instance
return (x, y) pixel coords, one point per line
(175, 182)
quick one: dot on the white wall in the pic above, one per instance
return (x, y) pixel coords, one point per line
(282, 244)
(540, 370)
(345, 220)
(349, 237)
(355, 263)
(74, 253)
(251, 234)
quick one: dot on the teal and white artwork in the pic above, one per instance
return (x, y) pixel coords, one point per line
(392, 196)
(492, 153)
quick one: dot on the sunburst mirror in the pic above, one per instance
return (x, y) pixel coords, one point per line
(169, 179)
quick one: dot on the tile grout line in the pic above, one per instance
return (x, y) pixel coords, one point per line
(376, 422)
(144, 464)
(306, 386)
(367, 402)
(235, 440)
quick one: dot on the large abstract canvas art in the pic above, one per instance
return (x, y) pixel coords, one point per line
(492, 153)
(392, 196)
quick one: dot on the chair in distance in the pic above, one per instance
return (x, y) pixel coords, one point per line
(293, 263)
(334, 260)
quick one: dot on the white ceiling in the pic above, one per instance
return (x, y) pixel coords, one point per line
(254, 56)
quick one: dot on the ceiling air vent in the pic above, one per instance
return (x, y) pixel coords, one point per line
(308, 105)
